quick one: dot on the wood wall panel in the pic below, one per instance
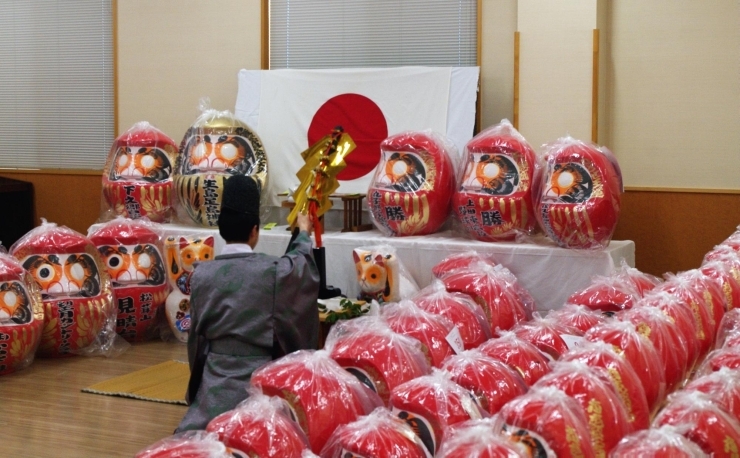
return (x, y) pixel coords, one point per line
(72, 200)
(673, 231)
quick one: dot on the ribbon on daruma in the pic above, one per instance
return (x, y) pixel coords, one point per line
(578, 197)
(137, 180)
(21, 316)
(411, 190)
(493, 199)
(75, 287)
(132, 255)
(215, 147)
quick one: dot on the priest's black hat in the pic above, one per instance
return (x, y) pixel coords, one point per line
(241, 195)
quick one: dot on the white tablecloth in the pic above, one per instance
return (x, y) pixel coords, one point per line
(548, 272)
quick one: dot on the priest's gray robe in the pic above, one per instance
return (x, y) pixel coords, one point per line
(246, 310)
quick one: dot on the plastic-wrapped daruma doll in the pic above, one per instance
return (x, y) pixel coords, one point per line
(131, 252)
(412, 188)
(493, 199)
(21, 316)
(137, 180)
(578, 198)
(190, 444)
(75, 287)
(215, 147)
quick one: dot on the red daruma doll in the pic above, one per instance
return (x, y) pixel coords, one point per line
(131, 252)
(412, 187)
(494, 196)
(578, 197)
(137, 180)
(75, 287)
(21, 316)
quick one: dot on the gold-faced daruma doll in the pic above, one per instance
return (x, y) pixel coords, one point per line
(181, 253)
(132, 255)
(215, 147)
(21, 316)
(75, 287)
(137, 179)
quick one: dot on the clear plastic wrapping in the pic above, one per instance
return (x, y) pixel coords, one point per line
(132, 254)
(576, 316)
(644, 282)
(480, 439)
(467, 315)
(639, 352)
(723, 274)
(607, 295)
(439, 338)
(137, 178)
(493, 382)
(677, 311)
(79, 311)
(550, 422)
(493, 198)
(460, 261)
(519, 354)
(21, 316)
(260, 426)
(497, 290)
(722, 387)
(691, 288)
(716, 359)
(412, 188)
(381, 359)
(379, 435)
(710, 427)
(381, 275)
(728, 334)
(319, 392)
(607, 417)
(548, 336)
(668, 341)
(432, 403)
(216, 147)
(189, 444)
(577, 200)
(603, 356)
(663, 442)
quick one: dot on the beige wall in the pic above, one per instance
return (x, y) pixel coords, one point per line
(498, 24)
(173, 52)
(675, 92)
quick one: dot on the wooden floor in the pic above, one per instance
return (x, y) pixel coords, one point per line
(43, 412)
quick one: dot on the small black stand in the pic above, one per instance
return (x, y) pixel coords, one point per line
(325, 292)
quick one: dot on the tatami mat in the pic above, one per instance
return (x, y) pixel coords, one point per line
(165, 382)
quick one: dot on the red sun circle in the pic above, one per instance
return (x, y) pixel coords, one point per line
(363, 120)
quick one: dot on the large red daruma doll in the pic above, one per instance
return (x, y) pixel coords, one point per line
(722, 386)
(216, 147)
(381, 359)
(319, 392)
(493, 200)
(379, 435)
(578, 199)
(132, 255)
(493, 382)
(75, 287)
(21, 316)
(411, 190)
(137, 180)
(260, 426)
(480, 439)
(550, 422)
(608, 419)
(432, 403)
(576, 316)
(467, 315)
(519, 354)
(439, 338)
(663, 442)
(710, 427)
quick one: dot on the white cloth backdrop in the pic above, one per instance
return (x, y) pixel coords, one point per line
(280, 104)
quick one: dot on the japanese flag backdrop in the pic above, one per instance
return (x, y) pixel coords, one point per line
(292, 109)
